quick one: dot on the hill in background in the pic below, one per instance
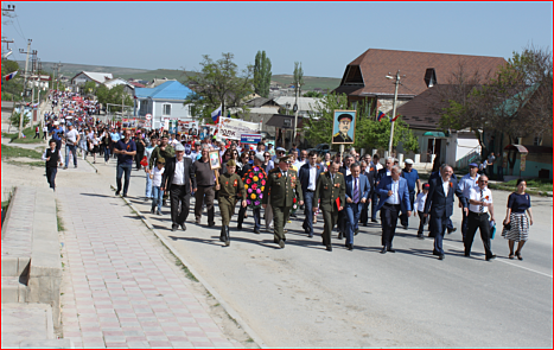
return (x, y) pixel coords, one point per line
(71, 69)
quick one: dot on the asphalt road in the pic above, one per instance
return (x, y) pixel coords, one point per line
(304, 296)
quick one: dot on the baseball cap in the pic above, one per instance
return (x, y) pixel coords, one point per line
(426, 186)
(474, 165)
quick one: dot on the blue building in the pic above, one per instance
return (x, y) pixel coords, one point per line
(164, 102)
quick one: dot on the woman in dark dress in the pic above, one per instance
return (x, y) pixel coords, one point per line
(516, 223)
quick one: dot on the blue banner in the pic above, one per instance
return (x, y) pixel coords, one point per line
(250, 138)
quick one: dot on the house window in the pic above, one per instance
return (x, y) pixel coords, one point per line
(537, 141)
(430, 77)
(166, 109)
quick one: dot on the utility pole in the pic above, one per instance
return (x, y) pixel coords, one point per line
(57, 65)
(21, 110)
(396, 83)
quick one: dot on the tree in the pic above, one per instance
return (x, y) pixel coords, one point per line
(262, 74)
(318, 128)
(14, 119)
(11, 88)
(298, 77)
(218, 82)
(114, 96)
(313, 94)
(89, 87)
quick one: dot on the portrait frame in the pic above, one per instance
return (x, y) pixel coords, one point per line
(215, 162)
(351, 131)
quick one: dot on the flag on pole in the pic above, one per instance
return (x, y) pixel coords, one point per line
(216, 114)
(11, 75)
(394, 119)
(380, 116)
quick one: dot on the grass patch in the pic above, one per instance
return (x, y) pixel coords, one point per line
(29, 134)
(185, 269)
(534, 186)
(15, 162)
(18, 152)
(61, 227)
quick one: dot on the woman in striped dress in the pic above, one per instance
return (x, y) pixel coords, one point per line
(518, 203)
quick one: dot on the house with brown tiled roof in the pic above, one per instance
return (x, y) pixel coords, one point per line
(365, 77)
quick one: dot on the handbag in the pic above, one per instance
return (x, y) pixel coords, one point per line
(506, 229)
(493, 229)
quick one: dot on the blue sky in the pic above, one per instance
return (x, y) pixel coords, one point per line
(324, 36)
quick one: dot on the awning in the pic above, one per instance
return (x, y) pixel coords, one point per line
(434, 134)
(519, 148)
(283, 121)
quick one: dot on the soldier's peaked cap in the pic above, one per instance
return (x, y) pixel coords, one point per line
(345, 116)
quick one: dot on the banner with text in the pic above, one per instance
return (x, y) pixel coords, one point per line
(252, 139)
(233, 128)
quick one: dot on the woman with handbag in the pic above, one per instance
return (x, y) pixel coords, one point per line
(516, 223)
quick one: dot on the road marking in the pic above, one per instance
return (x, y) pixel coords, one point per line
(507, 262)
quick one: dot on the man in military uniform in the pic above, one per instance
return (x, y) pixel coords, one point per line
(345, 121)
(330, 186)
(282, 183)
(229, 185)
(165, 151)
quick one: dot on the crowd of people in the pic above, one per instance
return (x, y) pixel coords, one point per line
(349, 189)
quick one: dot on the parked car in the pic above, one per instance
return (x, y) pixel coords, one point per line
(321, 149)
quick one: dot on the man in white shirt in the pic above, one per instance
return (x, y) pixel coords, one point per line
(480, 205)
(468, 182)
(71, 139)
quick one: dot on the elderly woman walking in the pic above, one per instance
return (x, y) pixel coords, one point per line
(516, 223)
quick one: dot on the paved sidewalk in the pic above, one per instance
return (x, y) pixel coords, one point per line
(121, 289)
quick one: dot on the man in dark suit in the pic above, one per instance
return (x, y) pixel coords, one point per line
(394, 197)
(449, 225)
(356, 193)
(345, 171)
(308, 175)
(330, 187)
(382, 173)
(178, 177)
(370, 172)
(440, 203)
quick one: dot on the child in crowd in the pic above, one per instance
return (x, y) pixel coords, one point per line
(53, 158)
(419, 207)
(157, 193)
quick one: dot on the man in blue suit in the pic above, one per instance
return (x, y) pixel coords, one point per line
(440, 203)
(357, 193)
(308, 176)
(394, 197)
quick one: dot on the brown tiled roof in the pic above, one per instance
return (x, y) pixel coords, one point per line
(419, 112)
(376, 64)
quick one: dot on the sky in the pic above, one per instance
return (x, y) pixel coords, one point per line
(323, 36)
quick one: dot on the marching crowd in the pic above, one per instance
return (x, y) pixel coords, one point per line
(349, 190)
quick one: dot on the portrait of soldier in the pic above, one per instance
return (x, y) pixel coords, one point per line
(345, 122)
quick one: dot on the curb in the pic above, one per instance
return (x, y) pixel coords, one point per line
(206, 285)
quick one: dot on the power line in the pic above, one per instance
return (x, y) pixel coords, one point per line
(17, 18)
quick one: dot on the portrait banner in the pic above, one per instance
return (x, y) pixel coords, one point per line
(344, 127)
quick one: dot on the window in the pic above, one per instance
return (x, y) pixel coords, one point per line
(166, 109)
(430, 77)
(537, 141)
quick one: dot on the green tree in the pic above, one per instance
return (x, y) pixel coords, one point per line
(318, 128)
(218, 82)
(14, 119)
(262, 74)
(298, 77)
(313, 94)
(13, 88)
(114, 95)
(89, 87)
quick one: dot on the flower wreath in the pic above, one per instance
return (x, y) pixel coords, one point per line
(254, 184)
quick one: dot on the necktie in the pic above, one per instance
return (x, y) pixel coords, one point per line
(481, 207)
(355, 195)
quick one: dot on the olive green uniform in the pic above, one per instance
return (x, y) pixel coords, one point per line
(328, 190)
(229, 187)
(282, 190)
(168, 153)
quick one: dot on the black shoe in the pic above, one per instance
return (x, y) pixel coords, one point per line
(384, 250)
(124, 195)
(152, 210)
(467, 254)
(310, 235)
(349, 246)
(174, 227)
(222, 236)
(374, 220)
(227, 242)
(257, 232)
(453, 230)
(441, 257)
(492, 257)
(329, 248)
(211, 224)
(239, 228)
(184, 227)
(364, 224)
(340, 235)
(281, 244)
(405, 227)
(117, 193)
(420, 236)
(391, 250)
(356, 232)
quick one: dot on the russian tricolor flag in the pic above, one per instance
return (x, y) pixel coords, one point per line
(216, 114)
(380, 116)
(11, 75)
